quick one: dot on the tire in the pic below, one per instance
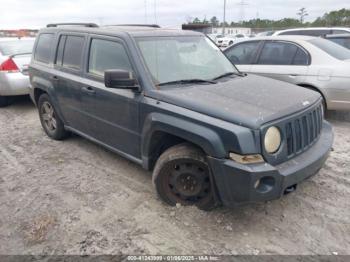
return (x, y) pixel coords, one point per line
(182, 175)
(4, 101)
(50, 121)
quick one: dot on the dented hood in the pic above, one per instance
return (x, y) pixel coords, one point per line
(249, 101)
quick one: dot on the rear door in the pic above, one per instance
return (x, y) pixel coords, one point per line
(68, 80)
(113, 113)
(283, 61)
(243, 54)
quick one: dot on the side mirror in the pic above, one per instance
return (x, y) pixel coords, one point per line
(117, 78)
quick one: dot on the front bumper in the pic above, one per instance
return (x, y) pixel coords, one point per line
(13, 84)
(237, 183)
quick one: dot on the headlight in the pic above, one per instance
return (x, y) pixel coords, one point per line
(272, 141)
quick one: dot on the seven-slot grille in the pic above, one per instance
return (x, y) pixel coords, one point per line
(303, 131)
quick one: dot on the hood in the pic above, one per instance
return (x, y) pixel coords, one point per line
(249, 101)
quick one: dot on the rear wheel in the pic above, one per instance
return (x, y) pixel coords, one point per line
(49, 119)
(4, 101)
(182, 175)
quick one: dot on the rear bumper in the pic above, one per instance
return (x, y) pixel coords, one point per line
(13, 84)
(238, 184)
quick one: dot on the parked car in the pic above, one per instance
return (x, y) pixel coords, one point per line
(314, 31)
(14, 59)
(229, 40)
(214, 37)
(343, 39)
(172, 102)
(314, 63)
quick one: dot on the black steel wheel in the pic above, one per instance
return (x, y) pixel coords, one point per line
(182, 175)
(49, 119)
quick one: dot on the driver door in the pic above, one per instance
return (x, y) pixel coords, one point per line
(242, 55)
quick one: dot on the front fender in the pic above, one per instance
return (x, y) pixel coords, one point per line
(207, 139)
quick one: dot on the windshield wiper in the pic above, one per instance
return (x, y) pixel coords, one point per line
(187, 81)
(229, 74)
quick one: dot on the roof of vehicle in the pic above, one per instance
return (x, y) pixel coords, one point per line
(279, 37)
(9, 39)
(312, 28)
(133, 30)
(338, 36)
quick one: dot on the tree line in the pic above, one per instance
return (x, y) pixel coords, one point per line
(334, 18)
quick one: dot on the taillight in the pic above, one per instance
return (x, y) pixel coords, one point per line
(9, 66)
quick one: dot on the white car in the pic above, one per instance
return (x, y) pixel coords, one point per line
(15, 56)
(229, 40)
(314, 31)
(310, 62)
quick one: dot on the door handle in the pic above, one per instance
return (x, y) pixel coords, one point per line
(293, 75)
(88, 89)
(55, 78)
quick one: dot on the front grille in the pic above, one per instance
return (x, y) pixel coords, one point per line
(303, 131)
(299, 132)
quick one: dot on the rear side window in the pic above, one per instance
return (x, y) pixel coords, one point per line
(43, 48)
(105, 54)
(72, 47)
(243, 54)
(282, 53)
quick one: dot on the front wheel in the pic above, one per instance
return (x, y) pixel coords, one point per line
(50, 121)
(182, 175)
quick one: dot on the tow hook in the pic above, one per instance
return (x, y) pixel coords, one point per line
(290, 189)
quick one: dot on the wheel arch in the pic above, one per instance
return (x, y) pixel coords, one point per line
(312, 87)
(163, 131)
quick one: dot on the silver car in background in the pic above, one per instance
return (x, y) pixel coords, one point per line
(310, 62)
(15, 56)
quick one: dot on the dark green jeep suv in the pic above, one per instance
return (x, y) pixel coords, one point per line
(172, 102)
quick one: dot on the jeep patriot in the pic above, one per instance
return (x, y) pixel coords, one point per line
(172, 102)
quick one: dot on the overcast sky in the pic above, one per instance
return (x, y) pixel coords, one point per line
(172, 13)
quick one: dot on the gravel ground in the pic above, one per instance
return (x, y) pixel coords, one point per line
(74, 197)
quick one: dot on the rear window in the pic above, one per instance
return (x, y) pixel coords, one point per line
(345, 41)
(331, 48)
(15, 47)
(43, 48)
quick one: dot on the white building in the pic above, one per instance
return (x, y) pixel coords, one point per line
(232, 30)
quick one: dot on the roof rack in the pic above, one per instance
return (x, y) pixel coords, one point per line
(138, 25)
(73, 24)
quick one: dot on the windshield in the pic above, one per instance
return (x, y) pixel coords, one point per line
(171, 59)
(14, 47)
(331, 48)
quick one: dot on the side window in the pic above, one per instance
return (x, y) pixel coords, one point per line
(277, 53)
(319, 32)
(73, 52)
(301, 58)
(243, 54)
(43, 48)
(105, 54)
(336, 32)
(295, 32)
